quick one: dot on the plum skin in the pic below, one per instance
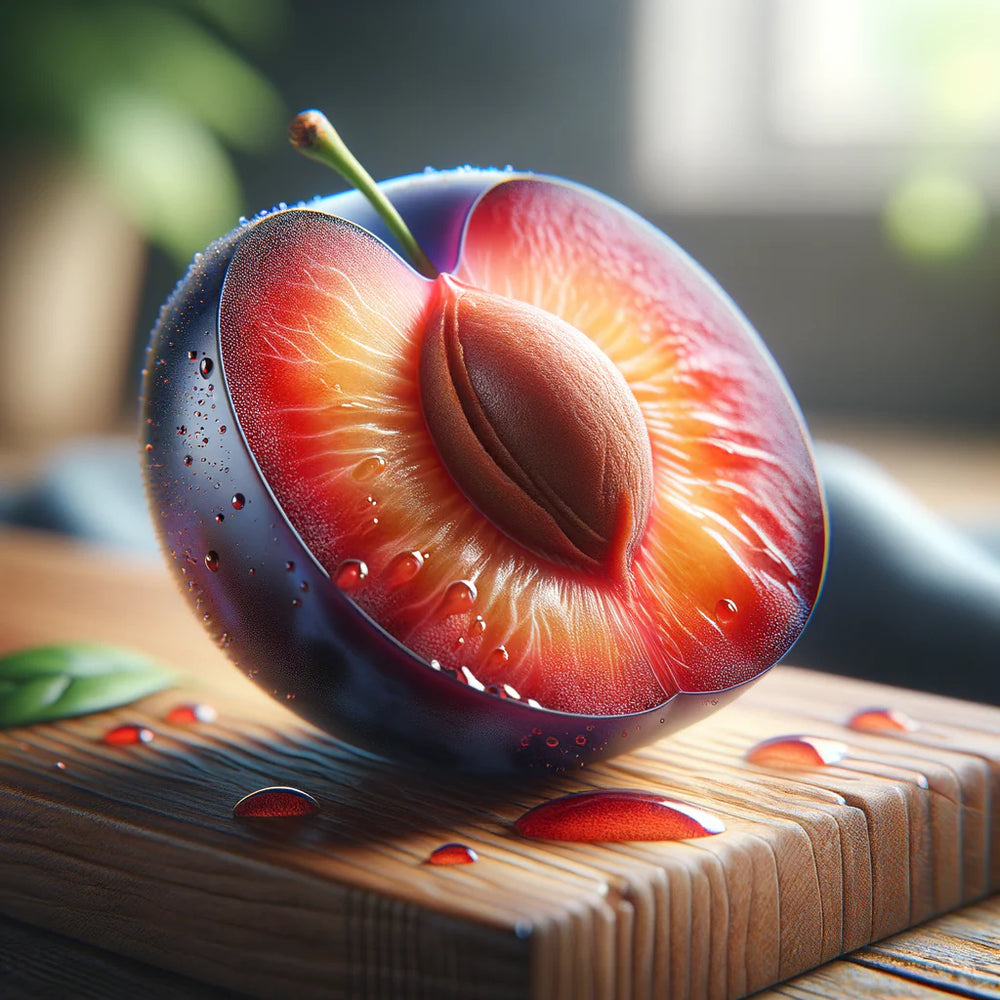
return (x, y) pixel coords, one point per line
(265, 598)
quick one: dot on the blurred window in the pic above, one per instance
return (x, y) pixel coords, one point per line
(785, 105)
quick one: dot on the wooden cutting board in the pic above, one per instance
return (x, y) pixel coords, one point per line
(135, 848)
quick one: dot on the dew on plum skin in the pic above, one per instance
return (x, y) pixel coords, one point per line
(876, 720)
(796, 751)
(239, 501)
(552, 741)
(460, 596)
(452, 854)
(581, 740)
(369, 467)
(350, 574)
(205, 367)
(189, 714)
(127, 735)
(616, 815)
(290, 566)
(276, 802)
(726, 611)
(212, 560)
(402, 569)
(192, 355)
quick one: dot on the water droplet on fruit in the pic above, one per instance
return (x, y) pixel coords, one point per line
(796, 751)
(212, 560)
(471, 679)
(368, 468)
(149, 447)
(452, 854)
(552, 741)
(222, 428)
(402, 569)
(290, 566)
(615, 815)
(205, 367)
(511, 692)
(276, 802)
(881, 720)
(350, 573)
(239, 501)
(220, 518)
(726, 611)
(61, 765)
(186, 715)
(192, 355)
(127, 735)
(581, 740)
(478, 627)
(459, 597)
(187, 460)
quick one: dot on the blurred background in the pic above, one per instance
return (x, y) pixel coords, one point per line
(835, 164)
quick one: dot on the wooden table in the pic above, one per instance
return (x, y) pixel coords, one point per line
(137, 853)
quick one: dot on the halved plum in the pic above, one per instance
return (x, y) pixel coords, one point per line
(533, 511)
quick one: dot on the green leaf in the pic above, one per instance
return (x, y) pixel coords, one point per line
(56, 682)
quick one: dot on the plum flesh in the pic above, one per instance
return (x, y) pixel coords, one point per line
(262, 576)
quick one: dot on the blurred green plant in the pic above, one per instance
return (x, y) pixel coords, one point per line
(152, 97)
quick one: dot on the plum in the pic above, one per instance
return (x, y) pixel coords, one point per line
(538, 497)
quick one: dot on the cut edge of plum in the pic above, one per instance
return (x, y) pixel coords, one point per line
(408, 655)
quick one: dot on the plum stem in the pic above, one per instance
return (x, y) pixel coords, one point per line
(312, 135)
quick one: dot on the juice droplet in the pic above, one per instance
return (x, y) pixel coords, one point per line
(726, 611)
(452, 854)
(187, 460)
(128, 735)
(369, 468)
(497, 658)
(350, 574)
(205, 367)
(796, 751)
(876, 720)
(276, 802)
(403, 568)
(614, 815)
(239, 501)
(186, 715)
(212, 560)
(459, 597)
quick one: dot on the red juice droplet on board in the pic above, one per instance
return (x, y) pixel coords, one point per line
(796, 751)
(613, 815)
(350, 574)
(452, 854)
(128, 735)
(276, 802)
(881, 720)
(186, 715)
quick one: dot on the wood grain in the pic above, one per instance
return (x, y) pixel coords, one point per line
(135, 849)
